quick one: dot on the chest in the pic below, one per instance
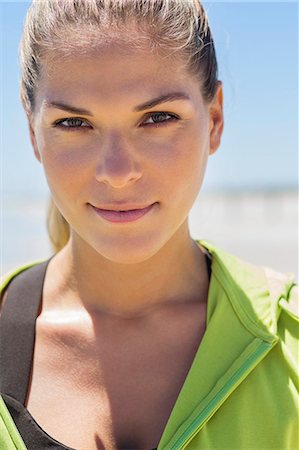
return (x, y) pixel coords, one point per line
(117, 394)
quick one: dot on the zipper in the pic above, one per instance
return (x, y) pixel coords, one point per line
(252, 360)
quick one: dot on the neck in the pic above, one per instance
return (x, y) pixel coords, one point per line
(177, 273)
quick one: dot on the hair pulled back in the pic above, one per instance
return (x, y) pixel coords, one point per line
(55, 27)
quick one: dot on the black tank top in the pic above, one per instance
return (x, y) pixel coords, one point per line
(17, 339)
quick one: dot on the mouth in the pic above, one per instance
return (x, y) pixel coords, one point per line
(123, 213)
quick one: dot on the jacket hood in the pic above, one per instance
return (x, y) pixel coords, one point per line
(254, 291)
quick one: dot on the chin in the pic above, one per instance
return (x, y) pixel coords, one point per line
(121, 249)
(129, 251)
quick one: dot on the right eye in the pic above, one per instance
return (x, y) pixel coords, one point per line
(73, 123)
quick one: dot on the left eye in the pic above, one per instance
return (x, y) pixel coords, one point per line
(72, 122)
(160, 117)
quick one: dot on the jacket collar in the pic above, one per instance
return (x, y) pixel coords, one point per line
(241, 329)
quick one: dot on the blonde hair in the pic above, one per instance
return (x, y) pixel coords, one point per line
(54, 27)
(58, 227)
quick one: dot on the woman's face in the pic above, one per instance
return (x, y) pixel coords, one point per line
(106, 141)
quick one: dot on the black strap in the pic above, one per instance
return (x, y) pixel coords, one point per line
(17, 330)
(208, 259)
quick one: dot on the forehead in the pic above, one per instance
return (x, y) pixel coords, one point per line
(112, 73)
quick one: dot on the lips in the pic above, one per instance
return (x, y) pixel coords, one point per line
(123, 213)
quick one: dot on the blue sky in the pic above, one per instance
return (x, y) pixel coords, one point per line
(257, 48)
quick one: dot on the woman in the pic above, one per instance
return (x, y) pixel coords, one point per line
(133, 335)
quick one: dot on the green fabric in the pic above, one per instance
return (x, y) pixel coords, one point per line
(241, 392)
(10, 438)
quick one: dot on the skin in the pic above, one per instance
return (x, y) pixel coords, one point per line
(120, 155)
(124, 305)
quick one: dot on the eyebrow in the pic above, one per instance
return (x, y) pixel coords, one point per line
(170, 97)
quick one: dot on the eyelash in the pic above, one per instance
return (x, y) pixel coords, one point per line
(173, 118)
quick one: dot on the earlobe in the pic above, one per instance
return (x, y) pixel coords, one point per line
(33, 141)
(216, 119)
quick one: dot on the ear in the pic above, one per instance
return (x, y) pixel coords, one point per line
(33, 139)
(216, 118)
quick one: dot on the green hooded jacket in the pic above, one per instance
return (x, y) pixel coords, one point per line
(241, 391)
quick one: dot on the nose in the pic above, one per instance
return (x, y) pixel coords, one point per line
(118, 164)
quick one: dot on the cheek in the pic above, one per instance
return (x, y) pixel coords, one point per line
(183, 164)
(65, 164)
